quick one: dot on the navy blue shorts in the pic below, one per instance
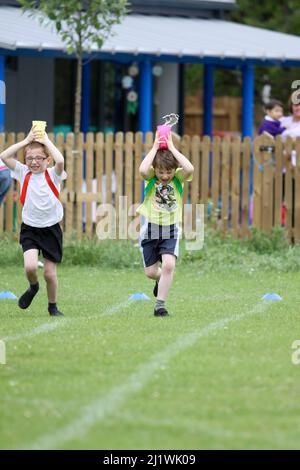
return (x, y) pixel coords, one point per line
(157, 240)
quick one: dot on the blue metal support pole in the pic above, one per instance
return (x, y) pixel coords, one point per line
(247, 119)
(208, 99)
(145, 98)
(145, 101)
(2, 92)
(85, 98)
(248, 100)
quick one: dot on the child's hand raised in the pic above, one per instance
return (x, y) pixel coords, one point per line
(170, 142)
(39, 136)
(38, 129)
(156, 141)
(30, 136)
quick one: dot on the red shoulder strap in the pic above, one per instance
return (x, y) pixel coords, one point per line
(24, 187)
(51, 184)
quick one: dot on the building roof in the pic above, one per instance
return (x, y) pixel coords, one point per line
(165, 38)
(195, 8)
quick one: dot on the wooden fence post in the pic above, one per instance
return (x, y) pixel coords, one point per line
(246, 156)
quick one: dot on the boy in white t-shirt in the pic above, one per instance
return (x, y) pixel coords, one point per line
(42, 211)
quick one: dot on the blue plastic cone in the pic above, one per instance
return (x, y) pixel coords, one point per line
(272, 296)
(6, 294)
(139, 296)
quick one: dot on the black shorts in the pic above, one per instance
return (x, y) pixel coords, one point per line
(47, 240)
(157, 240)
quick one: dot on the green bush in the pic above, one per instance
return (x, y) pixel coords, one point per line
(10, 252)
(109, 253)
(261, 242)
(219, 253)
(259, 251)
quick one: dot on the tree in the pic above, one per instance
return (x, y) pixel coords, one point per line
(276, 15)
(81, 24)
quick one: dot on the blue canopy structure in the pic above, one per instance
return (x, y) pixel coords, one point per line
(149, 38)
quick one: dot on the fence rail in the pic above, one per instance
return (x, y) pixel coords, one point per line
(242, 183)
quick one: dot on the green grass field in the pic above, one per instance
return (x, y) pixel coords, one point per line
(216, 374)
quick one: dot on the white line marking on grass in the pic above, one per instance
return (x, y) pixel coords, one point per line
(187, 424)
(210, 428)
(115, 308)
(47, 327)
(110, 402)
(44, 328)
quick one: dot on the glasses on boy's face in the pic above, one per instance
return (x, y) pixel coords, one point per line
(37, 159)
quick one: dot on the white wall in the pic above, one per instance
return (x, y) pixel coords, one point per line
(167, 92)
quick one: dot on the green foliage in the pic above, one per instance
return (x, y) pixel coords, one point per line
(10, 252)
(261, 242)
(277, 15)
(226, 83)
(219, 253)
(258, 252)
(109, 253)
(193, 78)
(80, 23)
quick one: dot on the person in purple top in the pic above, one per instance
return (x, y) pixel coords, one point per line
(271, 123)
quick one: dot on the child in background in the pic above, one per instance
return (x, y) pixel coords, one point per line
(271, 123)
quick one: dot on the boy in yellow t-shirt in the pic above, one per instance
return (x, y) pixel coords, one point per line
(165, 172)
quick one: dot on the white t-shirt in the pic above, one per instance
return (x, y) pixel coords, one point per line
(2, 166)
(41, 207)
(293, 127)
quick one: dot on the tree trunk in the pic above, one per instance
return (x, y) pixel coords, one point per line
(78, 95)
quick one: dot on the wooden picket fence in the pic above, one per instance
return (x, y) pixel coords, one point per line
(101, 168)
(227, 111)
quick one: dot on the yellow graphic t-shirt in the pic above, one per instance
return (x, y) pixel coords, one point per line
(163, 204)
